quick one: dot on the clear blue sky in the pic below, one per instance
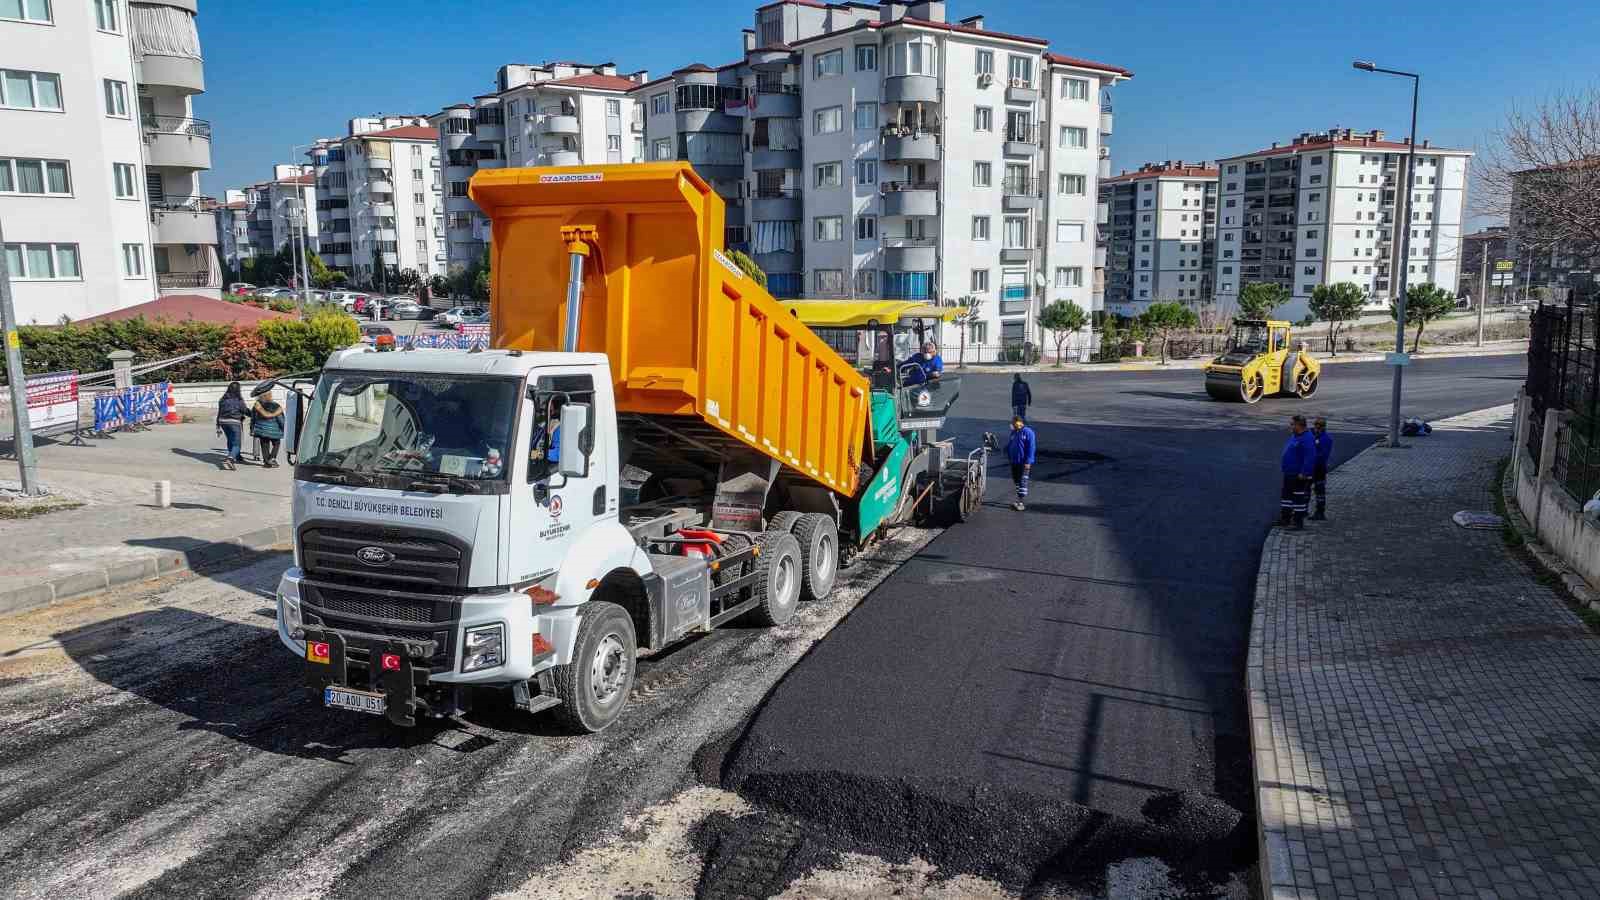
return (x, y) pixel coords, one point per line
(1212, 79)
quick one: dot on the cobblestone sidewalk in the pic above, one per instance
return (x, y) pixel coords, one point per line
(1426, 715)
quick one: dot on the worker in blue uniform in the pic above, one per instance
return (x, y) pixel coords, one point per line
(1319, 473)
(1297, 465)
(1020, 452)
(923, 366)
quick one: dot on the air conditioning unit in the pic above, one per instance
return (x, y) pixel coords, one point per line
(986, 79)
(1020, 83)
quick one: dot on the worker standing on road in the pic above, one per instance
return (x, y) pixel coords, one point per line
(1319, 474)
(1019, 450)
(1298, 464)
(1021, 396)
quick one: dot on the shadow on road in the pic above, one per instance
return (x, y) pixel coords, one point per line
(213, 457)
(1197, 397)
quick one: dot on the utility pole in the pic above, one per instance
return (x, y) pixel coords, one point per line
(1483, 286)
(26, 464)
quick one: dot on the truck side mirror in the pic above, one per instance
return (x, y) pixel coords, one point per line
(577, 441)
(294, 418)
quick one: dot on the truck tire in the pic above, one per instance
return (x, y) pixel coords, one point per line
(779, 569)
(594, 687)
(819, 554)
(783, 521)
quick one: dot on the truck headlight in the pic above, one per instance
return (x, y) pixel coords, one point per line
(484, 648)
(289, 608)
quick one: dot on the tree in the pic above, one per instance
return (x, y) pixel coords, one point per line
(971, 314)
(439, 286)
(1424, 303)
(405, 280)
(748, 267)
(1337, 304)
(1164, 318)
(1062, 319)
(1110, 340)
(1541, 174)
(481, 278)
(1258, 299)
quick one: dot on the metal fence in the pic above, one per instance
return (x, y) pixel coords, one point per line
(1564, 374)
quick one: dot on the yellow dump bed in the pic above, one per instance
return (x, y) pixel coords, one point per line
(687, 333)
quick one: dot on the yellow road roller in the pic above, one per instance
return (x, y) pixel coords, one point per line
(1261, 362)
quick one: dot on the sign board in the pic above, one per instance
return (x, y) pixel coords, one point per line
(474, 332)
(1506, 280)
(53, 400)
(1397, 359)
(1504, 265)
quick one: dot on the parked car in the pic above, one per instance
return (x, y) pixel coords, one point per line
(346, 299)
(379, 337)
(481, 318)
(450, 318)
(241, 287)
(409, 309)
(273, 293)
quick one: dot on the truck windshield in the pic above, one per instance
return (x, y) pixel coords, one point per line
(411, 426)
(1250, 338)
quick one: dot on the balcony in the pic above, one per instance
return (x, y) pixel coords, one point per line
(386, 234)
(563, 158)
(178, 142)
(379, 164)
(771, 104)
(911, 89)
(1020, 90)
(910, 254)
(902, 145)
(776, 205)
(1023, 139)
(384, 210)
(1020, 193)
(1106, 121)
(636, 124)
(184, 73)
(489, 131)
(558, 124)
(777, 261)
(184, 223)
(767, 159)
(381, 185)
(180, 281)
(713, 120)
(770, 59)
(1018, 254)
(910, 198)
(1013, 307)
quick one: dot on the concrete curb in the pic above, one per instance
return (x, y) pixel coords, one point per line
(163, 562)
(1510, 348)
(1549, 561)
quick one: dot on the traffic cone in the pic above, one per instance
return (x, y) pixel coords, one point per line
(172, 408)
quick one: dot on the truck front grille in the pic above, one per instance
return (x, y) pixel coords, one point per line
(386, 556)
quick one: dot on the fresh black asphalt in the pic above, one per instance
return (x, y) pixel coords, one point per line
(1090, 650)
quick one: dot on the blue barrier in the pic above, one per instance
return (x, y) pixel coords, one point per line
(130, 406)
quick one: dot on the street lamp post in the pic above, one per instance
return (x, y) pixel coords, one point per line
(1405, 247)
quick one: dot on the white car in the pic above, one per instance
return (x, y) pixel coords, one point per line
(346, 299)
(455, 316)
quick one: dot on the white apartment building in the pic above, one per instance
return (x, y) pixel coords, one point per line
(894, 155)
(100, 156)
(1161, 224)
(1327, 207)
(234, 242)
(553, 114)
(379, 199)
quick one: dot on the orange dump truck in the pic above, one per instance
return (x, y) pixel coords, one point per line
(655, 446)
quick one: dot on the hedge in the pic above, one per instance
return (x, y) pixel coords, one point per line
(274, 347)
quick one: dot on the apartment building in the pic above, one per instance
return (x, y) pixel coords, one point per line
(1329, 207)
(234, 241)
(268, 216)
(1546, 257)
(877, 150)
(1161, 235)
(552, 114)
(100, 155)
(379, 199)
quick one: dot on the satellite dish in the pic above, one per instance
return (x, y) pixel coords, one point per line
(1038, 279)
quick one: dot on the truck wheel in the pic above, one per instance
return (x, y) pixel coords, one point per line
(778, 585)
(783, 521)
(819, 554)
(594, 687)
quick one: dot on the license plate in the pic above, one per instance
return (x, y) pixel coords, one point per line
(360, 701)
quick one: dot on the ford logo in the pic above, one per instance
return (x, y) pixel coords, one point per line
(374, 556)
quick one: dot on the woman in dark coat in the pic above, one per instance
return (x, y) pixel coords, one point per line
(231, 413)
(266, 424)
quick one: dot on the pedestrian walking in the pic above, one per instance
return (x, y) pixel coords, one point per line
(266, 426)
(1319, 472)
(1019, 450)
(1297, 465)
(1021, 396)
(231, 413)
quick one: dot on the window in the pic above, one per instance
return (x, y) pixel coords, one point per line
(1310, 270)
(614, 108)
(1069, 232)
(35, 176)
(982, 174)
(829, 175)
(1316, 179)
(980, 228)
(830, 282)
(827, 120)
(663, 148)
(42, 262)
(416, 174)
(1016, 236)
(417, 198)
(867, 282)
(982, 118)
(660, 104)
(1073, 185)
(866, 228)
(1069, 276)
(827, 65)
(866, 171)
(1311, 233)
(1074, 89)
(983, 62)
(458, 188)
(866, 58)
(32, 10)
(453, 125)
(30, 90)
(980, 280)
(614, 142)
(918, 56)
(1074, 136)
(866, 116)
(1020, 70)
(105, 15)
(132, 260)
(1316, 160)
(124, 176)
(513, 143)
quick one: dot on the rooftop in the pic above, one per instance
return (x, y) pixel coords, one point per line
(1345, 139)
(1168, 169)
(191, 308)
(596, 82)
(406, 133)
